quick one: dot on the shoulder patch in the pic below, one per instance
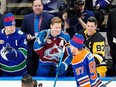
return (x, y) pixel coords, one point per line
(64, 32)
(25, 41)
(20, 32)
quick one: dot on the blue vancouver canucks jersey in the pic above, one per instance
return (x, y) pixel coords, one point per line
(13, 53)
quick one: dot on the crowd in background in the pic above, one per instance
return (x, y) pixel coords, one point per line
(37, 47)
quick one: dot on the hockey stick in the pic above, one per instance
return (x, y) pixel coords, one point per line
(46, 37)
(48, 32)
(109, 81)
(59, 65)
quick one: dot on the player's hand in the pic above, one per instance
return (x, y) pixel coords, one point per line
(61, 69)
(65, 16)
(42, 38)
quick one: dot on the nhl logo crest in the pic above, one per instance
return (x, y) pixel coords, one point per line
(1, 41)
(13, 22)
(49, 41)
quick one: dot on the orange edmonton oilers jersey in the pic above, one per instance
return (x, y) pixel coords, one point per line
(84, 68)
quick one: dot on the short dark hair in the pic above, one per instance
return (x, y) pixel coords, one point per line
(36, 0)
(27, 79)
(92, 19)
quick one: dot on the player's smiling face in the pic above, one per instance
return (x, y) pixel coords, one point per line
(55, 29)
(91, 27)
(73, 50)
(9, 29)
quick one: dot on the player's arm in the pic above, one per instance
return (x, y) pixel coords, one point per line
(40, 42)
(99, 55)
(95, 81)
(14, 59)
(22, 49)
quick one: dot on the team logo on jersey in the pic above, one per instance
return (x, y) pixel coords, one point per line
(49, 41)
(83, 15)
(3, 53)
(1, 41)
(25, 41)
(13, 22)
(20, 32)
(53, 53)
(5, 50)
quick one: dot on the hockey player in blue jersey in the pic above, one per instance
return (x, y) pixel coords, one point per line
(83, 64)
(48, 45)
(13, 48)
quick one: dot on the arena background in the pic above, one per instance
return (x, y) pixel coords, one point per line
(21, 7)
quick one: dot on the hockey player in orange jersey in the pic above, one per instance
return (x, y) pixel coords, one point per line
(83, 63)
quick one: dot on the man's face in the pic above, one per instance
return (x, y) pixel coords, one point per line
(10, 29)
(37, 7)
(55, 29)
(91, 27)
(72, 48)
(82, 5)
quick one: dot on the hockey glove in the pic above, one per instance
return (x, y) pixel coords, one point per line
(61, 69)
(102, 69)
(64, 65)
(43, 37)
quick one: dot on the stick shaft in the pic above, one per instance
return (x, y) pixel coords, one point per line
(59, 65)
(48, 32)
(55, 79)
(110, 81)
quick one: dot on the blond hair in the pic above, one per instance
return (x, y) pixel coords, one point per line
(56, 20)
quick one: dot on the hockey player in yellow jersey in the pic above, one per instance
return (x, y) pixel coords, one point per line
(95, 42)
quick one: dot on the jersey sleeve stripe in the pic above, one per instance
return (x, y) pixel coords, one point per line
(96, 85)
(86, 85)
(84, 81)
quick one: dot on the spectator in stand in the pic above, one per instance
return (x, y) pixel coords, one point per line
(95, 42)
(100, 8)
(32, 24)
(89, 5)
(111, 36)
(49, 46)
(13, 48)
(65, 21)
(76, 19)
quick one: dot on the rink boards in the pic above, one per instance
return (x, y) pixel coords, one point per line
(48, 82)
